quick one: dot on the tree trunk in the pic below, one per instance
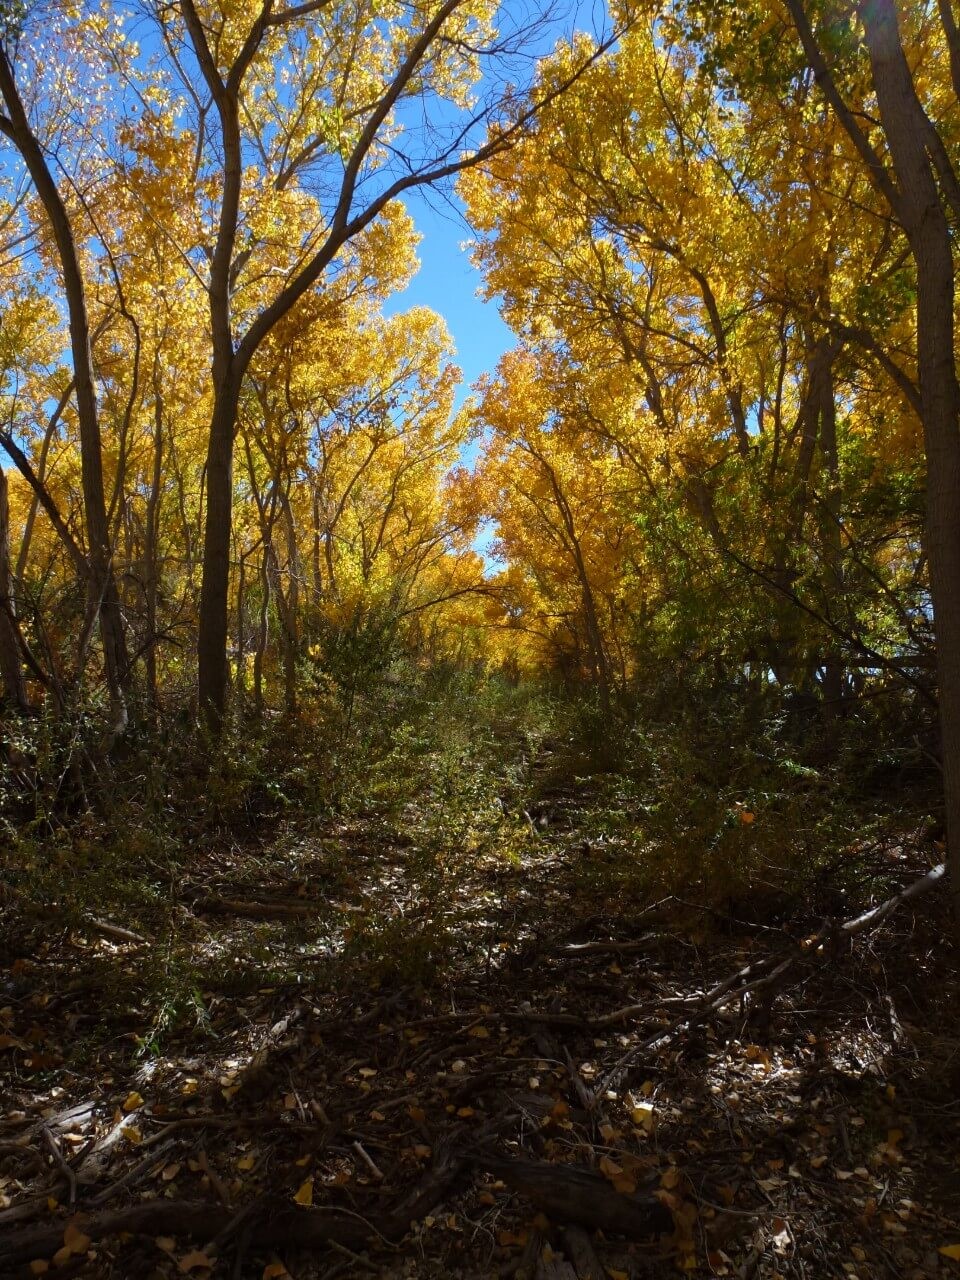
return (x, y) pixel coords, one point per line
(921, 212)
(11, 674)
(151, 567)
(212, 664)
(103, 597)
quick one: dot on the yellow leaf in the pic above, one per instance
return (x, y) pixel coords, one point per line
(622, 1181)
(74, 1239)
(133, 1101)
(246, 1162)
(951, 1251)
(305, 1195)
(274, 1270)
(170, 1171)
(195, 1261)
(132, 1134)
(166, 1243)
(746, 817)
(643, 1116)
(39, 1266)
(479, 1033)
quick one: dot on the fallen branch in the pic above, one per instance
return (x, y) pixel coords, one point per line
(768, 975)
(251, 910)
(116, 931)
(568, 1194)
(275, 1227)
(269, 1224)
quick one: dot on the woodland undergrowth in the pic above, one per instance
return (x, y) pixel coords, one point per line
(407, 862)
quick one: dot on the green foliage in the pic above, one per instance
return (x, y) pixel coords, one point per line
(738, 800)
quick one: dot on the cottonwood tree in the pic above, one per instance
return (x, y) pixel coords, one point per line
(916, 173)
(261, 139)
(685, 316)
(895, 111)
(36, 147)
(316, 116)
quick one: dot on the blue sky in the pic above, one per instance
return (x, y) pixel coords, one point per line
(449, 283)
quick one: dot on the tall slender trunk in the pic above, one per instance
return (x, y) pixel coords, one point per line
(103, 598)
(151, 566)
(831, 545)
(212, 666)
(11, 674)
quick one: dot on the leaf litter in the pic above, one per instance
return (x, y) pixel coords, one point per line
(549, 1082)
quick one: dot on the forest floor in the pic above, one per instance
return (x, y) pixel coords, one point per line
(507, 1067)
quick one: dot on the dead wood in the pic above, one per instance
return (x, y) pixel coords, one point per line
(275, 1226)
(582, 1254)
(575, 950)
(116, 931)
(253, 910)
(555, 1269)
(269, 1225)
(768, 976)
(568, 1194)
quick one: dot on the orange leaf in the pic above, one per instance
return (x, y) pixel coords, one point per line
(196, 1260)
(305, 1195)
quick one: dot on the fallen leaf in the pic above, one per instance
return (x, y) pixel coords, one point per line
(951, 1251)
(305, 1195)
(621, 1180)
(74, 1239)
(133, 1101)
(195, 1261)
(643, 1116)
